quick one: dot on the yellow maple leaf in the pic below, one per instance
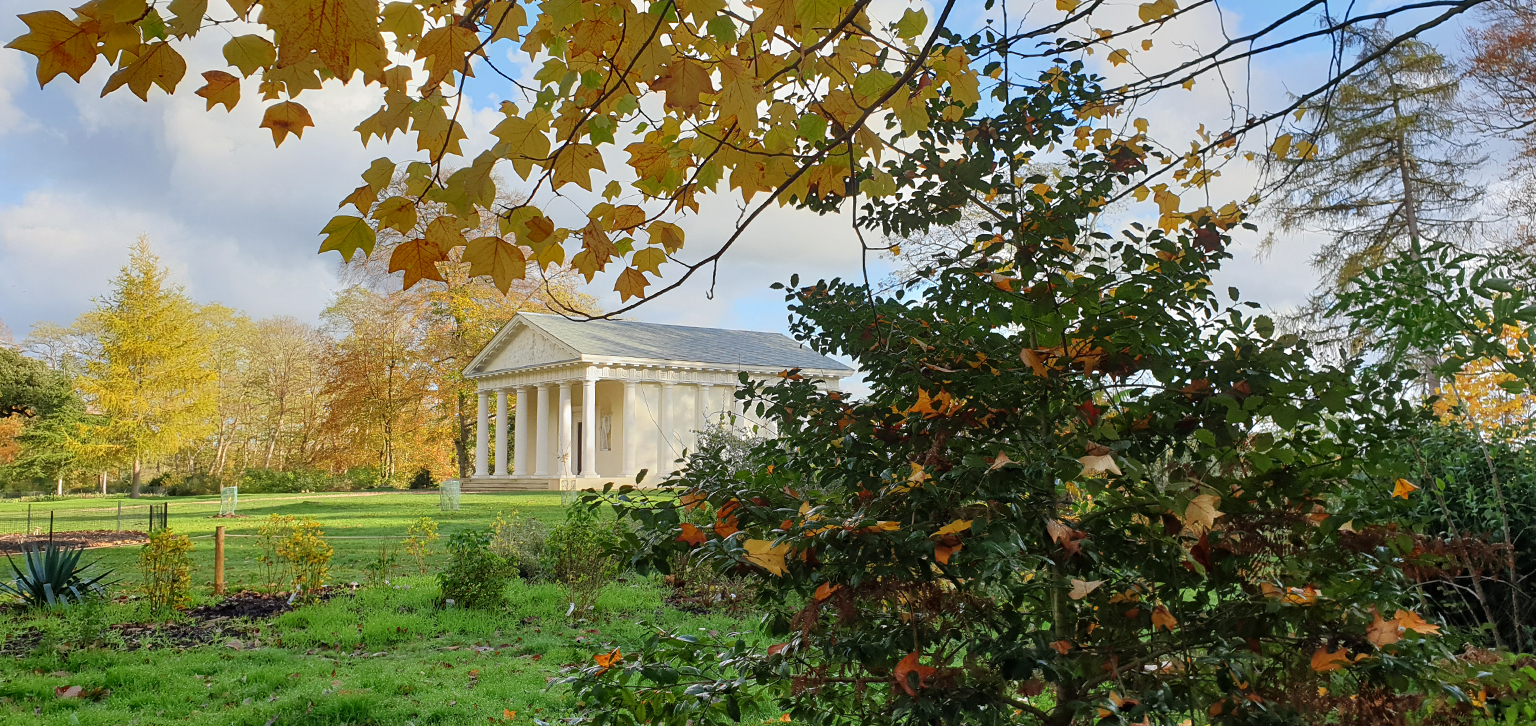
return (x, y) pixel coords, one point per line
(159, 64)
(649, 260)
(955, 527)
(59, 45)
(362, 197)
(1118, 57)
(418, 259)
(575, 164)
(501, 260)
(348, 235)
(220, 87)
(1149, 12)
(1067, 6)
(397, 213)
(1281, 147)
(328, 28)
(286, 118)
(765, 555)
(1403, 488)
(446, 50)
(1081, 588)
(666, 234)
(631, 283)
(684, 81)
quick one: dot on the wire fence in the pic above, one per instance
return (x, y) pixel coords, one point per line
(40, 519)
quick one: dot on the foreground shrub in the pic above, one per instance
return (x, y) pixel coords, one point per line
(167, 571)
(307, 555)
(520, 539)
(52, 576)
(418, 540)
(580, 555)
(476, 577)
(274, 530)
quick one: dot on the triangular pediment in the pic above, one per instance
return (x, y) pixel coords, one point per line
(521, 345)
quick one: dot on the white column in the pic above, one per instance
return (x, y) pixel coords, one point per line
(664, 455)
(563, 449)
(501, 432)
(482, 433)
(543, 434)
(702, 404)
(589, 427)
(629, 429)
(520, 431)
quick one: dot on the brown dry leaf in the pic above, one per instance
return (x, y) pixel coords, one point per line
(159, 65)
(1081, 588)
(418, 259)
(1034, 361)
(1382, 632)
(1001, 461)
(1096, 466)
(60, 45)
(1061, 646)
(1161, 618)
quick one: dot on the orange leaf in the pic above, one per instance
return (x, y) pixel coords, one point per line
(1403, 488)
(1034, 361)
(692, 536)
(631, 283)
(943, 551)
(1161, 618)
(692, 500)
(508, 714)
(1324, 662)
(1413, 622)
(908, 666)
(607, 660)
(1061, 646)
(826, 590)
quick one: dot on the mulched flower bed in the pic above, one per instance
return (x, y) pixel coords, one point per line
(12, 543)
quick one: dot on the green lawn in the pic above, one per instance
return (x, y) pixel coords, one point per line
(344, 516)
(384, 655)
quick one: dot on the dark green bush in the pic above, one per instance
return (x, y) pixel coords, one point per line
(581, 554)
(272, 481)
(422, 479)
(476, 576)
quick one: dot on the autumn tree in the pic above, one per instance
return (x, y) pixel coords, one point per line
(805, 102)
(152, 379)
(462, 305)
(285, 384)
(1502, 67)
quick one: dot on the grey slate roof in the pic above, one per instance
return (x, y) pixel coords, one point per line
(630, 339)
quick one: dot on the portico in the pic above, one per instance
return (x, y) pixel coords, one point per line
(584, 403)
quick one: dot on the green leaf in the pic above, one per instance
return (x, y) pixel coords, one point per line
(912, 22)
(348, 235)
(723, 29)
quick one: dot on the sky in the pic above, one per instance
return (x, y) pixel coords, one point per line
(236, 220)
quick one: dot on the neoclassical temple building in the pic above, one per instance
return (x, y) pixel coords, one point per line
(598, 401)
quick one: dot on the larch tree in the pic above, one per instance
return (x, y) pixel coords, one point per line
(1386, 164)
(153, 380)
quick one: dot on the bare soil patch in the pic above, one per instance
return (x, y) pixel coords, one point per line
(12, 543)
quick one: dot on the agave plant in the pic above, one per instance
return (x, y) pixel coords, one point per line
(54, 576)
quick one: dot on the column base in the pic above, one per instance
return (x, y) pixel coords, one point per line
(530, 483)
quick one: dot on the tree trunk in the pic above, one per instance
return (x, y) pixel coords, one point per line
(134, 493)
(61, 485)
(103, 483)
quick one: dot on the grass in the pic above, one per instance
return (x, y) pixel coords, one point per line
(349, 519)
(381, 655)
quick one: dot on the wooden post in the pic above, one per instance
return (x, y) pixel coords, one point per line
(218, 560)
